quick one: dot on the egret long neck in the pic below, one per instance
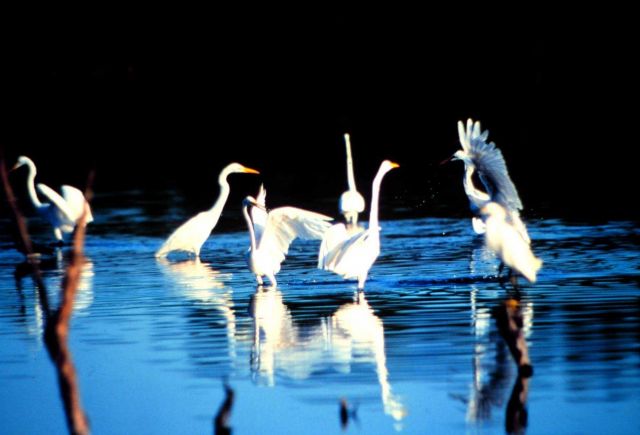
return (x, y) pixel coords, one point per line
(222, 197)
(351, 180)
(252, 234)
(375, 196)
(31, 185)
(476, 197)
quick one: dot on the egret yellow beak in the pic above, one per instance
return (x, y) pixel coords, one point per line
(394, 165)
(249, 170)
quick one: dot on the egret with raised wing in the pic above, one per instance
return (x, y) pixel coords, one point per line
(487, 160)
(191, 235)
(352, 256)
(272, 232)
(62, 211)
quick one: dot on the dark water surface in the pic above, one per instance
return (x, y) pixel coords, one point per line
(418, 353)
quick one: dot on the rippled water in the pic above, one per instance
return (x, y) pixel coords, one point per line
(419, 352)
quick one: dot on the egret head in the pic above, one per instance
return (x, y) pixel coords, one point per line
(388, 165)
(22, 160)
(234, 168)
(462, 155)
(250, 201)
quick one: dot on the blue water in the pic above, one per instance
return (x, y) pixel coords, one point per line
(419, 352)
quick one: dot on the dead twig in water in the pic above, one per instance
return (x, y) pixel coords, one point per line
(57, 331)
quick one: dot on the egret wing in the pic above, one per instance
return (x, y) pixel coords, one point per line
(65, 213)
(491, 167)
(76, 202)
(351, 256)
(284, 224)
(335, 235)
(190, 236)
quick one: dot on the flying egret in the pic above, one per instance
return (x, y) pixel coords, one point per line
(351, 202)
(272, 232)
(484, 157)
(353, 256)
(507, 242)
(191, 235)
(62, 212)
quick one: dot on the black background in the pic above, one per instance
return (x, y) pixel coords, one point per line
(157, 99)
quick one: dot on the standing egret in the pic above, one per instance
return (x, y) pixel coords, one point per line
(270, 240)
(507, 242)
(352, 257)
(484, 157)
(191, 235)
(62, 212)
(351, 202)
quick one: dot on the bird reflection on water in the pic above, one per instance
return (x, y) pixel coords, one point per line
(53, 269)
(352, 334)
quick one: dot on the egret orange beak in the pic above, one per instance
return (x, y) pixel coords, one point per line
(394, 165)
(249, 170)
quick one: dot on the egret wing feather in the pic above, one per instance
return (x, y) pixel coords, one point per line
(492, 170)
(65, 213)
(76, 202)
(332, 237)
(284, 224)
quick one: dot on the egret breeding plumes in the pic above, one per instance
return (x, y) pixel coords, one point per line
(506, 241)
(62, 212)
(351, 202)
(353, 255)
(191, 235)
(487, 160)
(272, 232)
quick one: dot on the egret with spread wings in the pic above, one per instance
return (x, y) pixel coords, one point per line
(191, 235)
(62, 211)
(487, 160)
(272, 232)
(352, 256)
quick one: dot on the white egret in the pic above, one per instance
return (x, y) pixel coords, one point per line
(484, 157)
(270, 241)
(191, 235)
(353, 256)
(62, 212)
(351, 202)
(503, 237)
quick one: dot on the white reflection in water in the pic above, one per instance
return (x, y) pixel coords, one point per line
(32, 312)
(199, 282)
(352, 334)
(490, 379)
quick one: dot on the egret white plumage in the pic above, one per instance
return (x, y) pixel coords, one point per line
(484, 157)
(351, 202)
(191, 235)
(352, 256)
(506, 241)
(62, 212)
(271, 236)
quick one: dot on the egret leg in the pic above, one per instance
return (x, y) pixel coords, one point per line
(259, 279)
